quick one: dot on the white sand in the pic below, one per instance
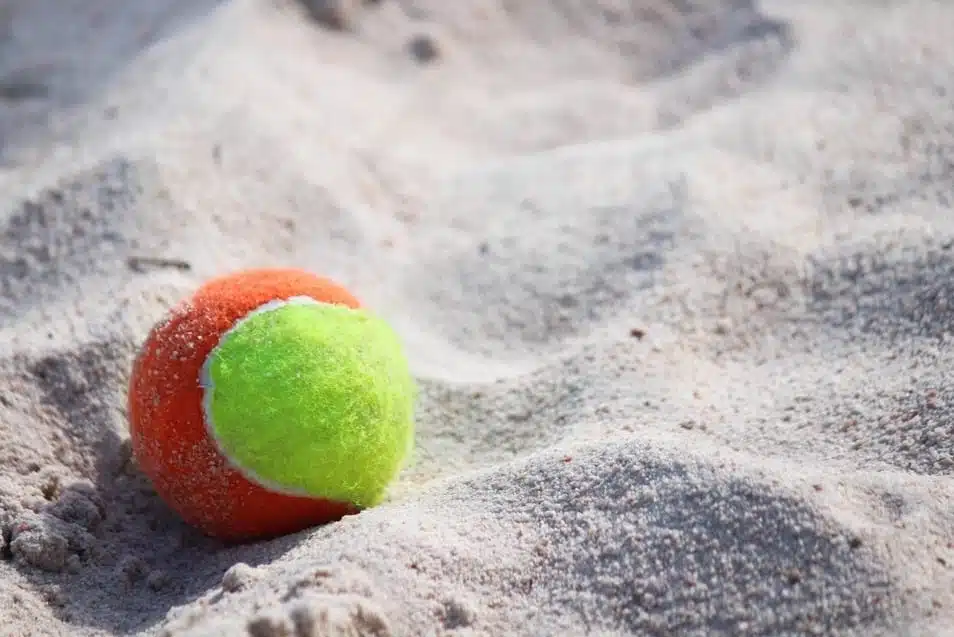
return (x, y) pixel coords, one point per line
(676, 278)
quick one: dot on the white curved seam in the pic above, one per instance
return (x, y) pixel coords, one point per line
(208, 389)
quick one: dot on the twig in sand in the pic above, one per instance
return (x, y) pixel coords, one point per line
(141, 264)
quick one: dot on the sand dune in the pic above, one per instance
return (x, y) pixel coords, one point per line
(675, 279)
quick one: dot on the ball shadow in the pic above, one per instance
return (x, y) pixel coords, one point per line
(122, 557)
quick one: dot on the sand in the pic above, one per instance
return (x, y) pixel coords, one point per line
(676, 280)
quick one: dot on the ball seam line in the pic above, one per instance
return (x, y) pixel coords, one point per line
(208, 389)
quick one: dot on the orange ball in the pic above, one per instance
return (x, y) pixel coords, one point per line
(170, 439)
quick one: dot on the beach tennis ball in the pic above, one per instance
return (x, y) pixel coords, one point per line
(268, 402)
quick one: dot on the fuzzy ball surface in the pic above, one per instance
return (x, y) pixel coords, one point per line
(268, 402)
